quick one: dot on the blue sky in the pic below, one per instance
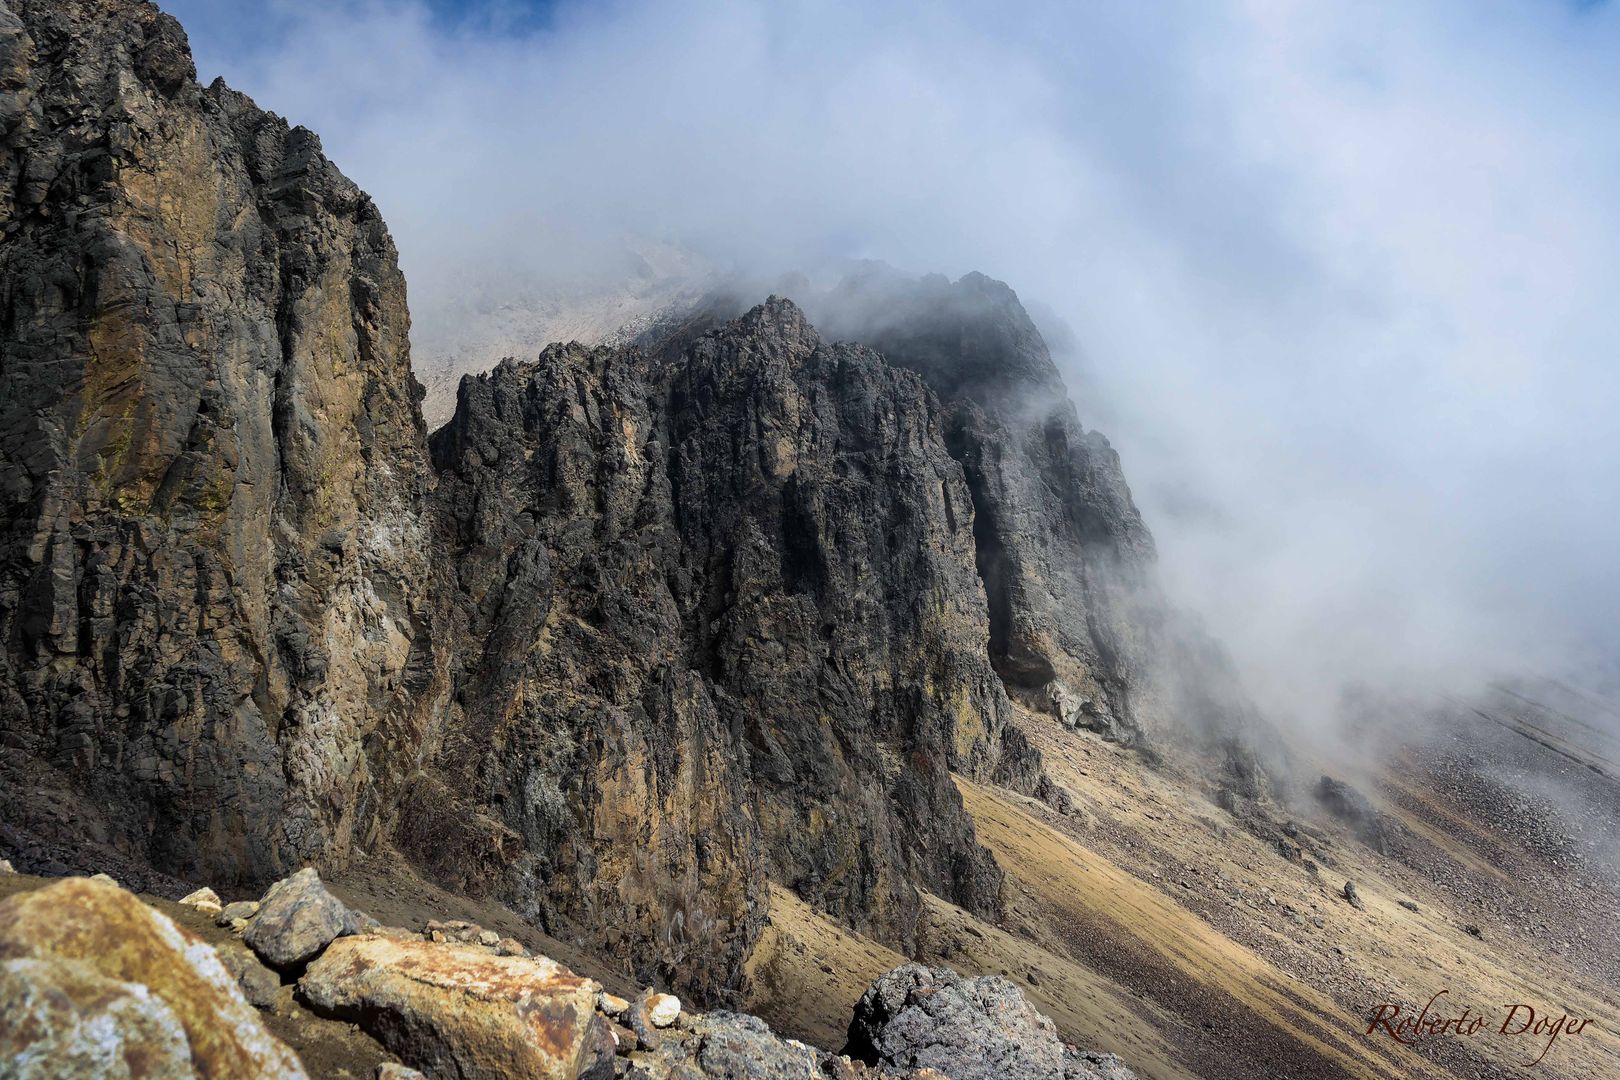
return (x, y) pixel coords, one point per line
(1342, 277)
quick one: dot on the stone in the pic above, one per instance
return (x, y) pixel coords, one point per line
(624, 1040)
(511, 947)
(64, 1019)
(393, 1070)
(105, 879)
(259, 985)
(237, 911)
(204, 895)
(296, 920)
(663, 1009)
(1351, 806)
(459, 1010)
(968, 1029)
(489, 938)
(1353, 896)
(611, 1004)
(97, 971)
(5, 867)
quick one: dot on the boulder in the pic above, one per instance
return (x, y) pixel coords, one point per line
(63, 1018)
(296, 920)
(460, 1010)
(917, 1017)
(97, 984)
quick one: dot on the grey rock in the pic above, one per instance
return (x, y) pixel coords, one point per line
(259, 984)
(966, 1029)
(238, 909)
(1351, 806)
(296, 920)
(393, 1070)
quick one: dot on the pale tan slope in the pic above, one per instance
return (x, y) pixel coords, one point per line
(807, 972)
(1140, 829)
(1096, 897)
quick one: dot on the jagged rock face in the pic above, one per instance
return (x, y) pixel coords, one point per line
(212, 564)
(1061, 548)
(732, 628)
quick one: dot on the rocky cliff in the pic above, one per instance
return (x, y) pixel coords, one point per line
(213, 564)
(728, 628)
(648, 629)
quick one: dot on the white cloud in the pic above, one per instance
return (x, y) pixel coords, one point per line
(1344, 276)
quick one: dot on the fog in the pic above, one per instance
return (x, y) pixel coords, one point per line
(1338, 281)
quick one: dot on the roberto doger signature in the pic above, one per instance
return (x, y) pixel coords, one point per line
(1520, 1020)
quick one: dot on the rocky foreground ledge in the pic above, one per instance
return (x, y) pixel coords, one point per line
(94, 982)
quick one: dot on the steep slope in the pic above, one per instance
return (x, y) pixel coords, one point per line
(212, 574)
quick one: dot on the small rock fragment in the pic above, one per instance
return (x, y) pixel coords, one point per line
(203, 895)
(663, 1009)
(623, 1038)
(1407, 904)
(240, 910)
(510, 947)
(105, 879)
(611, 1004)
(1353, 896)
(489, 938)
(5, 867)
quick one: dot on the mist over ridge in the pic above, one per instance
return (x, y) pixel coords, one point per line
(1338, 288)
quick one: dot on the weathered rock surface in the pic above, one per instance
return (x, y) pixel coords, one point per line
(916, 1017)
(93, 983)
(459, 1010)
(732, 628)
(1059, 543)
(296, 920)
(212, 574)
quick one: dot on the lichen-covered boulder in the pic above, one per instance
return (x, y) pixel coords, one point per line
(463, 1011)
(94, 983)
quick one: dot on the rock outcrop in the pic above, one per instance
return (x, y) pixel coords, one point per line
(1059, 543)
(94, 983)
(917, 1017)
(730, 628)
(212, 564)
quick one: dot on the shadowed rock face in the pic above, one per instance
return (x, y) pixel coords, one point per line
(1060, 546)
(212, 565)
(731, 629)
